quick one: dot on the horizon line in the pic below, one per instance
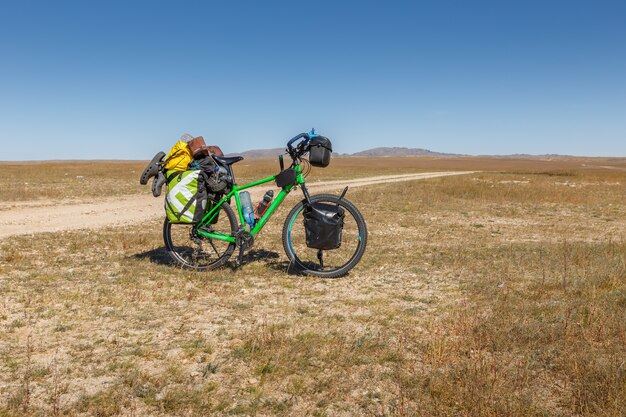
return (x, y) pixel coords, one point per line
(335, 155)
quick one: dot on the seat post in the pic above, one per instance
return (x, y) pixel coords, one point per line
(231, 173)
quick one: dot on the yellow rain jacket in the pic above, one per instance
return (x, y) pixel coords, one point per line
(179, 157)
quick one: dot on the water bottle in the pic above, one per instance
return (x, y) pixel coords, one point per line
(246, 207)
(261, 208)
(220, 171)
(186, 137)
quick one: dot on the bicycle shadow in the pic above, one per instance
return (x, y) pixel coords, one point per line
(158, 256)
(271, 259)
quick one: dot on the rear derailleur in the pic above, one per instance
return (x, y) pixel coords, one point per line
(195, 237)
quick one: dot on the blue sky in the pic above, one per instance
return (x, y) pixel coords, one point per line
(99, 80)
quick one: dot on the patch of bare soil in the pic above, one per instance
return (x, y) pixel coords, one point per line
(38, 217)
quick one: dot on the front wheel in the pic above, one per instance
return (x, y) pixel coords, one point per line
(325, 263)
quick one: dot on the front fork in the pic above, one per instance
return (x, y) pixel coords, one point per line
(307, 196)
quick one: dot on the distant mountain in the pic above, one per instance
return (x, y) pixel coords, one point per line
(387, 151)
(383, 151)
(374, 152)
(528, 156)
(260, 153)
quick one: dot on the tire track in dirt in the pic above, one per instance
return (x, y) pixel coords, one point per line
(125, 210)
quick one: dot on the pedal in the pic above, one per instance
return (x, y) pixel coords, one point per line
(244, 241)
(240, 256)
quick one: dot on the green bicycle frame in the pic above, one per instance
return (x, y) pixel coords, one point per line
(208, 217)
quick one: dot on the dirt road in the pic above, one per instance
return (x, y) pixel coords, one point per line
(51, 217)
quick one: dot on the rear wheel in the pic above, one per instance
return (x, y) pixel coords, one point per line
(193, 251)
(333, 263)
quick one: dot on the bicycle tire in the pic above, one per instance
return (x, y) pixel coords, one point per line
(356, 257)
(175, 254)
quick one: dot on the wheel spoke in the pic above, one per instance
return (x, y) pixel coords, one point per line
(214, 248)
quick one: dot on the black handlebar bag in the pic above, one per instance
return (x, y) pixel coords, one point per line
(323, 224)
(320, 151)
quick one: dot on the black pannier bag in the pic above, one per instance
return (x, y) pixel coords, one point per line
(220, 179)
(320, 151)
(286, 177)
(205, 163)
(323, 225)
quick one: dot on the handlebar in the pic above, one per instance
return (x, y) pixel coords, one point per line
(300, 148)
(295, 138)
(296, 152)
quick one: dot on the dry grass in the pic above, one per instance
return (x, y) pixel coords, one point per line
(491, 294)
(86, 181)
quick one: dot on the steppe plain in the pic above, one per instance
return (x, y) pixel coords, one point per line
(500, 292)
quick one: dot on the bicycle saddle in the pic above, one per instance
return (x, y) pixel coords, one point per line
(227, 160)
